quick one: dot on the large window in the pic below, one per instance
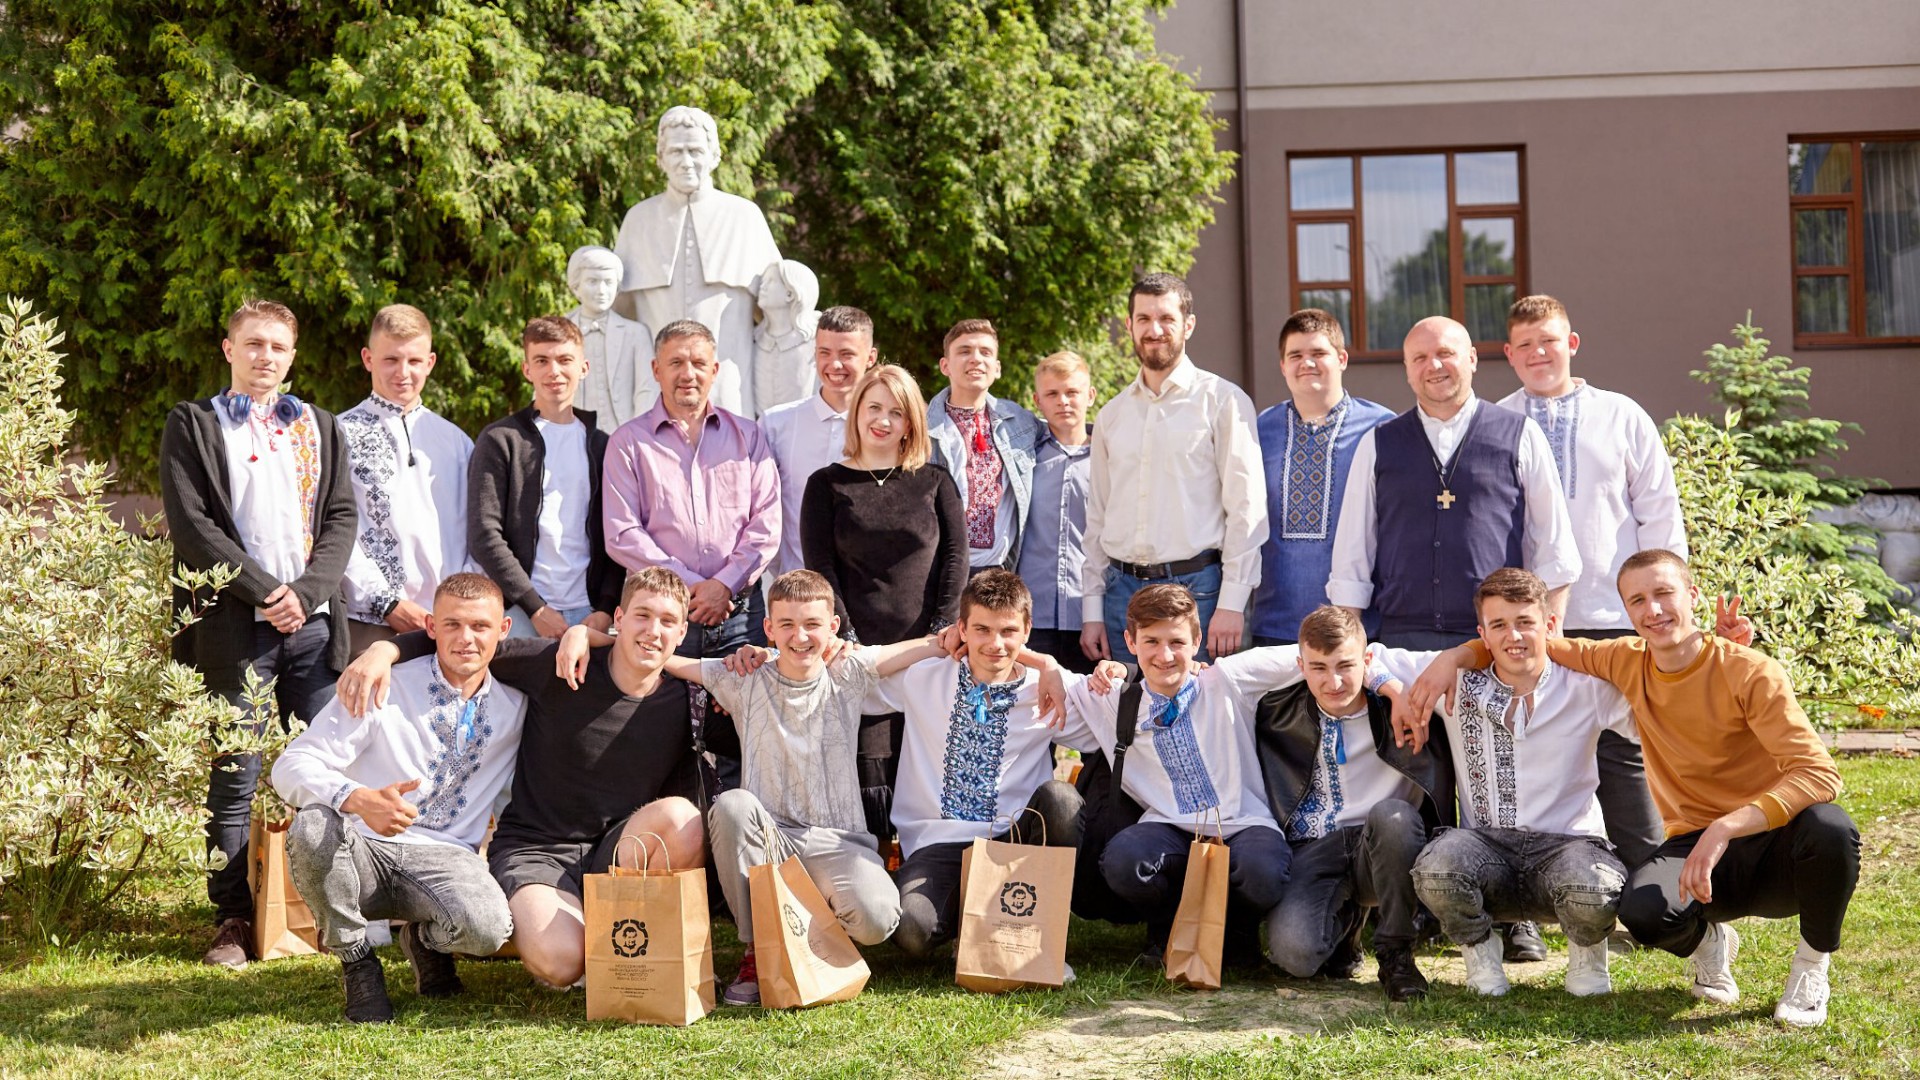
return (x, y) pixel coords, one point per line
(1383, 240)
(1855, 203)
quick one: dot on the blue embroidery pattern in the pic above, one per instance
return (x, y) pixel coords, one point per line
(1170, 720)
(1306, 493)
(462, 738)
(375, 457)
(1482, 712)
(976, 742)
(1319, 811)
(1560, 419)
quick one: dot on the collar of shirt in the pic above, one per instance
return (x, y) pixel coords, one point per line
(1180, 378)
(1164, 711)
(1047, 438)
(658, 417)
(375, 401)
(1575, 386)
(1516, 701)
(824, 412)
(1339, 409)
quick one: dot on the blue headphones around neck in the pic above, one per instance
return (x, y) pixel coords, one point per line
(286, 410)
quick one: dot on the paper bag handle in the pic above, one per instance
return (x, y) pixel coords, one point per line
(1200, 822)
(645, 857)
(1013, 824)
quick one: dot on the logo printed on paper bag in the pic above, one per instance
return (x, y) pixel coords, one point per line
(1019, 899)
(794, 925)
(629, 938)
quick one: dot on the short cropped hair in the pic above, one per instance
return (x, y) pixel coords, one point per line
(915, 448)
(401, 322)
(1161, 603)
(842, 319)
(270, 310)
(969, 326)
(551, 330)
(683, 328)
(1640, 560)
(469, 586)
(1512, 584)
(1310, 321)
(588, 257)
(657, 580)
(1160, 285)
(799, 587)
(686, 116)
(1062, 364)
(1537, 308)
(1328, 627)
(997, 590)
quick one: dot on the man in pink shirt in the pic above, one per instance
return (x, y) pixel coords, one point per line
(693, 488)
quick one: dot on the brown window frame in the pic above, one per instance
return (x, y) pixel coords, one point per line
(1856, 269)
(1358, 347)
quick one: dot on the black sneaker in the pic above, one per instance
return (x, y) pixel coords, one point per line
(367, 1001)
(232, 944)
(1400, 977)
(1344, 962)
(1154, 952)
(1523, 944)
(434, 974)
(1240, 951)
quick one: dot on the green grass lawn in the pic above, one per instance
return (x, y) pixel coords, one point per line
(135, 1001)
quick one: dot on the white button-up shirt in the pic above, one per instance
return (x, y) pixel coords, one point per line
(805, 436)
(1546, 545)
(1175, 474)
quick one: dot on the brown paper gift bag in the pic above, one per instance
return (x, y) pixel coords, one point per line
(283, 925)
(1013, 915)
(803, 954)
(1199, 932)
(649, 943)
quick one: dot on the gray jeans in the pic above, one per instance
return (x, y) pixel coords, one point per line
(846, 867)
(347, 877)
(1470, 877)
(1337, 877)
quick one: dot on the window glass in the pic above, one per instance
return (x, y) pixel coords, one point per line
(1403, 203)
(1321, 183)
(1486, 179)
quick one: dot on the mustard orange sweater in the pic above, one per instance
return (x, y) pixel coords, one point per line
(1723, 733)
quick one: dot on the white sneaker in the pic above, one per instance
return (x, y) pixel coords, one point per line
(1066, 974)
(1587, 970)
(1485, 973)
(1712, 964)
(1805, 1002)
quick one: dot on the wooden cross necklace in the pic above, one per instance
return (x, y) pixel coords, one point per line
(1446, 498)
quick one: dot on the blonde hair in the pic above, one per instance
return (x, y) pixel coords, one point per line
(914, 447)
(401, 322)
(1063, 364)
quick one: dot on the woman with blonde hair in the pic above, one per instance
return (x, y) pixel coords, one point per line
(886, 529)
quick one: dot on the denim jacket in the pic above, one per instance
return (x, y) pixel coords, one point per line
(1016, 434)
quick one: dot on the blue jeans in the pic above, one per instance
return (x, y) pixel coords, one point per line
(1146, 866)
(745, 624)
(1470, 877)
(302, 681)
(1334, 879)
(1204, 584)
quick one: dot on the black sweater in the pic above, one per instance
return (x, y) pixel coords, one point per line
(895, 554)
(503, 510)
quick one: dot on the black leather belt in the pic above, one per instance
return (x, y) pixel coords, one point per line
(1162, 571)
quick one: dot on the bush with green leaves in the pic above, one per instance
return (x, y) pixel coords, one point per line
(105, 743)
(1852, 662)
(1790, 453)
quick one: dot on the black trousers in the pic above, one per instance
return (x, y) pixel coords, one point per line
(1807, 867)
(1062, 645)
(930, 877)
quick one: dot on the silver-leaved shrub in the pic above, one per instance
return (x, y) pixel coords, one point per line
(105, 743)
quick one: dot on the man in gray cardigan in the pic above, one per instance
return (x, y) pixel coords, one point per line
(257, 480)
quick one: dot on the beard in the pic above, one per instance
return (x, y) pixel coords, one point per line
(1160, 355)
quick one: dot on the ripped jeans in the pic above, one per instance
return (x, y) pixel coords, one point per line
(1470, 877)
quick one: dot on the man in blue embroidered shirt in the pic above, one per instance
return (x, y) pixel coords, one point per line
(393, 806)
(1306, 445)
(1052, 552)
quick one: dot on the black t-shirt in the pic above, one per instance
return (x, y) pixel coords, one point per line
(588, 757)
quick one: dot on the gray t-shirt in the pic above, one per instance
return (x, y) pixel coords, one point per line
(799, 740)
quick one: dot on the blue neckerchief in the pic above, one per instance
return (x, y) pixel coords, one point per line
(1339, 739)
(466, 720)
(1166, 712)
(977, 697)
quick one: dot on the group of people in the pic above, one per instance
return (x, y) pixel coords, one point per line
(854, 630)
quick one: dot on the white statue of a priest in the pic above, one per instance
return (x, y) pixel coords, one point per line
(692, 252)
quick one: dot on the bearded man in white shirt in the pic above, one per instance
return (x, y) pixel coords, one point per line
(810, 434)
(1177, 492)
(1621, 496)
(409, 484)
(394, 806)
